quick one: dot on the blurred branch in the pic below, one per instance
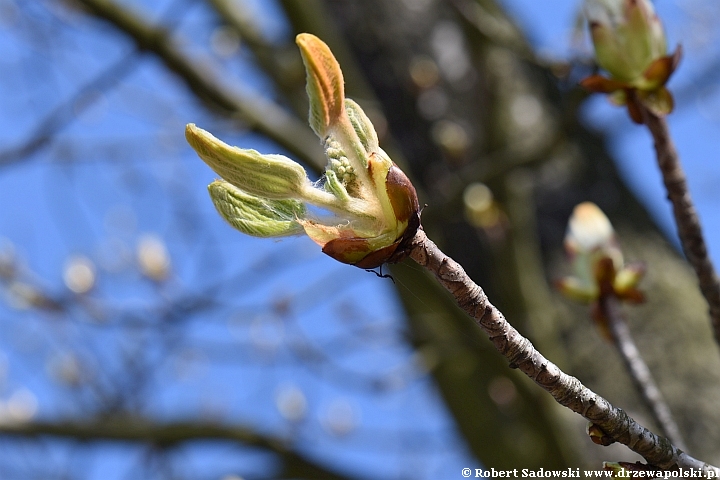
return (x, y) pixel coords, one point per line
(295, 464)
(566, 390)
(65, 113)
(639, 371)
(273, 59)
(260, 114)
(494, 24)
(686, 217)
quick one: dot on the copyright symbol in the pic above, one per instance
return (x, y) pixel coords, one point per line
(466, 472)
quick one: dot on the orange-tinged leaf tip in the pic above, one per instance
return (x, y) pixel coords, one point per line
(325, 84)
(659, 71)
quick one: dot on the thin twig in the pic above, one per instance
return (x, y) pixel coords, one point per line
(639, 371)
(686, 217)
(567, 390)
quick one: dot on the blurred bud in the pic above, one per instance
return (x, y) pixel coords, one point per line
(589, 229)
(480, 208)
(79, 274)
(502, 391)
(597, 260)
(153, 258)
(291, 403)
(375, 207)
(451, 136)
(626, 281)
(22, 405)
(340, 418)
(630, 44)
(424, 71)
(627, 35)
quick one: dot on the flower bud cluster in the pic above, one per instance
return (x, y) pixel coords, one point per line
(338, 161)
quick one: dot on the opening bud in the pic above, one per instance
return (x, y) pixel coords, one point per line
(597, 261)
(374, 206)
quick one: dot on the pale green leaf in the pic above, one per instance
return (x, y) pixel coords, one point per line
(252, 215)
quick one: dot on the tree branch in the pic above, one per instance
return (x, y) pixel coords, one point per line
(519, 351)
(686, 217)
(260, 114)
(295, 464)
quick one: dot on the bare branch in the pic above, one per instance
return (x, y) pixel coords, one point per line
(519, 351)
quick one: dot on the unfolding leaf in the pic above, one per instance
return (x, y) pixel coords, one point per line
(252, 215)
(325, 84)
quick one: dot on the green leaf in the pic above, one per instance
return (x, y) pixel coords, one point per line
(270, 176)
(252, 215)
(362, 126)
